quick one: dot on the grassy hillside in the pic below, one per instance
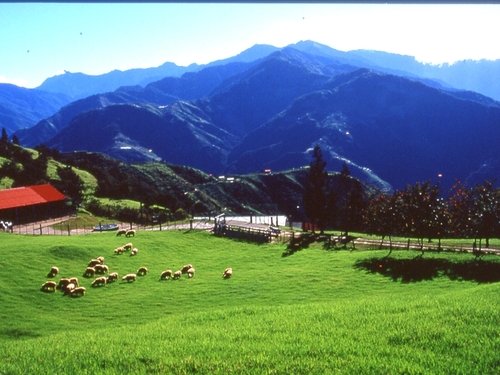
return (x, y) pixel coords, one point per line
(315, 311)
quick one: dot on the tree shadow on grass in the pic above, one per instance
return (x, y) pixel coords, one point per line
(419, 269)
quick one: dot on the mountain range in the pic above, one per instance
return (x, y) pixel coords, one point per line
(392, 120)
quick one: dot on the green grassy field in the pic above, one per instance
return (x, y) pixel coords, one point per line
(313, 312)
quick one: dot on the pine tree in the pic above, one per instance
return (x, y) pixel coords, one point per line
(316, 191)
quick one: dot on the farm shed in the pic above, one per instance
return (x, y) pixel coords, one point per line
(31, 203)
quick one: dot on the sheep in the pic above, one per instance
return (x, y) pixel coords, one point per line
(113, 276)
(94, 262)
(80, 291)
(120, 232)
(119, 250)
(130, 232)
(190, 272)
(186, 268)
(53, 272)
(177, 274)
(63, 282)
(165, 275)
(228, 272)
(134, 251)
(74, 280)
(142, 271)
(89, 272)
(101, 269)
(100, 259)
(49, 286)
(128, 246)
(100, 281)
(69, 288)
(129, 277)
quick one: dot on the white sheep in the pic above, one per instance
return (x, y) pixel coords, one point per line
(69, 288)
(80, 291)
(100, 281)
(94, 262)
(177, 274)
(128, 246)
(101, 268)
(134, 251)
(119, 250)
(100, 259)
(89, 272)
(53, 272)
(63, 282)
(74, 280)
(190, 272)
(120, 232)
(49, 286)
(165, 275)
(113, 276)
(186, 268)
(228, 272)
(142, 271)
(130, 232)
(129, 277)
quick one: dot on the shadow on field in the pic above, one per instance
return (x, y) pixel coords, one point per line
(15, 333)
(299, 243)
(419, 268)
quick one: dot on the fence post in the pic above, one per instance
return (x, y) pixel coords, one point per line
(69, 232)
(40, 229)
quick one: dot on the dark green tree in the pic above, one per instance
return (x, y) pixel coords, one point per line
(15, 140)
(5, 137)
(316, 191)
(70, 184)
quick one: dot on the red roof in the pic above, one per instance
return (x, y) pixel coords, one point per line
(28, 196)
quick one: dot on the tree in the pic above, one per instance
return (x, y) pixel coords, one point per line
(486, 211)
(15, 140)
(316, 191)
(420, 208)
(5, 137)
(71, 184)
(383, 216)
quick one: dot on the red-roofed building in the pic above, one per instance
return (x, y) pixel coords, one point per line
(31, 203)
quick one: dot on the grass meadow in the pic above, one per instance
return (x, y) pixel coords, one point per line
(316, 311)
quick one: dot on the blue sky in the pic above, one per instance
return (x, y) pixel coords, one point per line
(40, 40)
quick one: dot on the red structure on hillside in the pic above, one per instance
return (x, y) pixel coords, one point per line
(31, 203)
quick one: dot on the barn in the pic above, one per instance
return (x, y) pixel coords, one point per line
(31, 203)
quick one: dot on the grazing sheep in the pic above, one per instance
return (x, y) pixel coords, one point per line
(49, 286)
(113, 276)
(177, 274)
(190, 272)
(120, 232)
(53, 272)
(128, 246)
(100, 281)
(186, 268)
(94, 262)
(142, 271)
(129, 277)
(119, 250)
(101, 269)
(80, 291)
(89, 272)
(69, 288)
(165, 275)
(228, 272)
(100, 259)
(74, 280)
(130, 232)
(63, 282)
(134, 251)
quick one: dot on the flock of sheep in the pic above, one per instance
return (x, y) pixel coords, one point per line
(97, 268)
